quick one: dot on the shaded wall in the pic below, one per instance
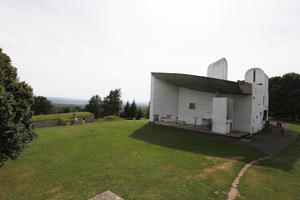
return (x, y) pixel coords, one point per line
(203, 105)
(164, 99)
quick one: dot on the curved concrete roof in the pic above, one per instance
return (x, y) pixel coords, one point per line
(205, 84)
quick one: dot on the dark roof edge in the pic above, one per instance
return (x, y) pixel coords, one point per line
(207, 84)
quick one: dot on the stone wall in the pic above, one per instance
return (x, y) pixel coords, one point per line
(60, 122)
(48, 123)
(90, 118)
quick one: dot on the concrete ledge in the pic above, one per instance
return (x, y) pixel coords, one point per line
(108, 195)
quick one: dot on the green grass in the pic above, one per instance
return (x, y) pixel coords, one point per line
(277, 178)
(111, 118)
(134, 159)
(63, 116)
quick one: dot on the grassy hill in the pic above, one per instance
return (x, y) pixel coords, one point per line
(134, 159)
(63, 116)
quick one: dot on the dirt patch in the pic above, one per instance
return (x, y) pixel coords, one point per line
(165, 168)
(55, 193)
(219, 164)
(225, 166)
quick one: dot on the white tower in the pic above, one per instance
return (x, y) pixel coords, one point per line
(218, 69)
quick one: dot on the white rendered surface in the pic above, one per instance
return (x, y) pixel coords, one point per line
(260, 97)
(203, 105)
(244, 111)
(218, 69)
(219, 115)
(164, 99)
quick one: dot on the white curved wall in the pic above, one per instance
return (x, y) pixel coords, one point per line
(260, 97)
(218, 69)
(164, 99)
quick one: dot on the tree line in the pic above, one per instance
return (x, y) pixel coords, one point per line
(112, 105)
(284, 96)
(131, 111)
(42, 105)
(109, 105)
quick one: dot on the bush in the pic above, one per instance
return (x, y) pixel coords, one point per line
(16, 99)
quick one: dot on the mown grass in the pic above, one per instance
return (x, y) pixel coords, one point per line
(134, 159)
(63, 116)
(277, 178)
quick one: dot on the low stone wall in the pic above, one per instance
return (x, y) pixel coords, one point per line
(60, 122)
(90, 118)
(48, 123)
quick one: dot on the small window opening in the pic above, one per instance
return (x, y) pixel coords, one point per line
(254, 74)
(192, 106)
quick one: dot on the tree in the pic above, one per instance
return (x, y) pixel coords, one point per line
(42, 105)
(16, 99)
(77, 108)
(284, 96)
(132, 110)
(126, 110)
(112, 103)
(139, 114)
(65, 109)
(147, 111)
(95, 106)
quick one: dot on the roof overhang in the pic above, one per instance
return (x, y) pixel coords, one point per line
(206, 84)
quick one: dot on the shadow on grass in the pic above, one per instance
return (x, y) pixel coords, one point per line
(193, 142)
(211, 145)
(286, 159)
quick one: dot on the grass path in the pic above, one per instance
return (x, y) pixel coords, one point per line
(233, 193)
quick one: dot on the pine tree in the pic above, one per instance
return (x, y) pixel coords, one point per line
(127, 110)
(139, 114)
(133, 109)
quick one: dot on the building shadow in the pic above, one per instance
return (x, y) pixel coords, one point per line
(206, 144)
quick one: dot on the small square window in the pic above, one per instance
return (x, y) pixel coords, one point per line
(192, 106)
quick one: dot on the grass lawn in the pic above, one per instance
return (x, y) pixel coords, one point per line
(277, 178)
(134, 159)
(63, 116)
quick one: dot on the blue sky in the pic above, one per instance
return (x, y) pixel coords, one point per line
(79, 48)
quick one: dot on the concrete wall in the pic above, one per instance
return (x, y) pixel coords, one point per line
(218, 69)
(60, 122)
(242, 112)
(219, 115)
(246, 111)
(260, 97)
(203, 105)
(164, 99)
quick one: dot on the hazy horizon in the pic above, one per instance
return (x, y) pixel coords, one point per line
(76, 49)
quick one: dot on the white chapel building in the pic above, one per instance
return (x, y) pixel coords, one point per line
(240, 106)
